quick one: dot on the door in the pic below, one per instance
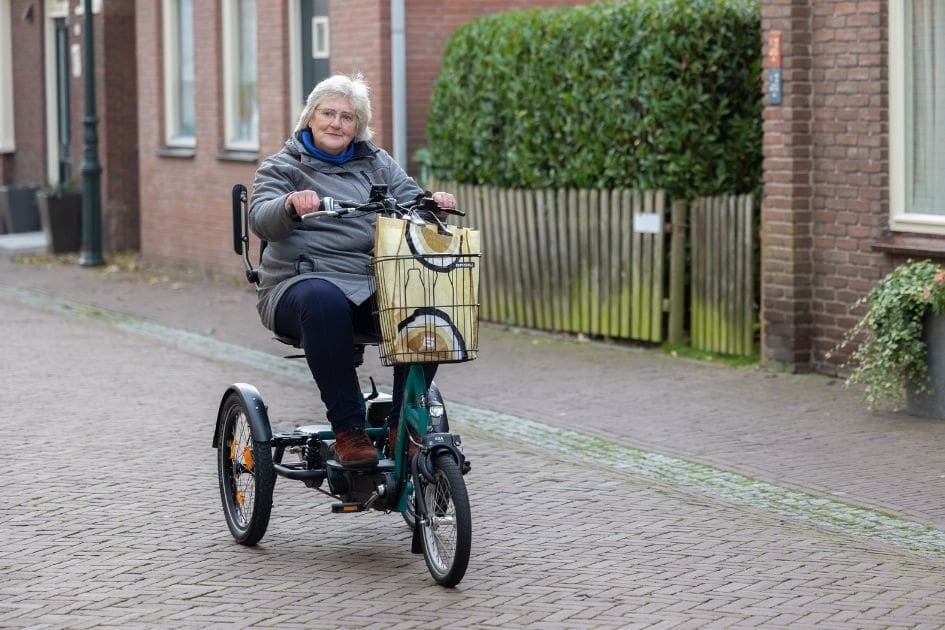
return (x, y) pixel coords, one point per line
(315, 40)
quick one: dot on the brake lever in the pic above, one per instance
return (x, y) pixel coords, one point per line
(432, 218)
(414, 218)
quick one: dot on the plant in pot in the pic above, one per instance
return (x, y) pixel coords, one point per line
(891, 356)
(60, 213)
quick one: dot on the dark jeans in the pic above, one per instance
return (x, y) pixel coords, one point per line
(318, 313)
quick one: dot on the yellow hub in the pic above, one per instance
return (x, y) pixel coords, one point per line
(247, 453)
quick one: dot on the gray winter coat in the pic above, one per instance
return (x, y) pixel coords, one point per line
(337, 250)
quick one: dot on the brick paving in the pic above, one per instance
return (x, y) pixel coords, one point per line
(111, 515)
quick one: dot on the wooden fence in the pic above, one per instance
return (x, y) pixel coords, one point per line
(569, 260)
(592, 261)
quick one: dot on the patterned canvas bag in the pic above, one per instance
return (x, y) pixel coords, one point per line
(427, 292)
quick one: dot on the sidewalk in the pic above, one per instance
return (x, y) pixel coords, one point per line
(806, 432)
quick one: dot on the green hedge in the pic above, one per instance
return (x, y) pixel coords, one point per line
(641, 94)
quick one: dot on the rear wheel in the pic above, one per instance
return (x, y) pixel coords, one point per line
(246, 474)
(447, 533)
(410, 514)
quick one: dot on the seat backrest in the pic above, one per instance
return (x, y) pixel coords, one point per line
(240, 208)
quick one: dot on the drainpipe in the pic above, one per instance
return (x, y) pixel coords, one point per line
(398, 80)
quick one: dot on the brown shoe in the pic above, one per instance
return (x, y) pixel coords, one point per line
(411, 443)
(354, 449)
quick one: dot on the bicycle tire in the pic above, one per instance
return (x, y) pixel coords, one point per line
(246, 474)
(447, 535)
(410, 514)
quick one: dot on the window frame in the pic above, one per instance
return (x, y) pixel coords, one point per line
(172, 77)
(232, 49)
(900, 136)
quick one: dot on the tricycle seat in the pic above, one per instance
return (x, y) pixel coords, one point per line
(360, 339)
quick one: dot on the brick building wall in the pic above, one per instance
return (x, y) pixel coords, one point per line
(117, 108)
(360, 42)
(825, 176)
(185, 199)
(27, 166)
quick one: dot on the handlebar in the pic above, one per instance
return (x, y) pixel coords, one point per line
(419, 211)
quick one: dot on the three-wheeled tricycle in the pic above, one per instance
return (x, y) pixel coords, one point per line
(427, 312)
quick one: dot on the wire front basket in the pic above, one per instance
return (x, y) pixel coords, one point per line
(428, 308)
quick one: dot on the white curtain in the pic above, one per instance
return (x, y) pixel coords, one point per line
(248, 112)
(185, 25)
(926, 96)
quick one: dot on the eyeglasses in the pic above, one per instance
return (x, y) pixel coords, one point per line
(329, 115)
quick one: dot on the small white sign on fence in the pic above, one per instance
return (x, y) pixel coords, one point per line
(646, 222)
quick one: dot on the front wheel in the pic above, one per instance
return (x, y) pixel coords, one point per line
(246, 474)
(447, 532)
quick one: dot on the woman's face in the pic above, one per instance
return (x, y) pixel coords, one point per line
(333, 124)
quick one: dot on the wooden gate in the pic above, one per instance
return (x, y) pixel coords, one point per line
(722, 275)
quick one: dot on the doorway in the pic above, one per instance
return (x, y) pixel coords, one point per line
(61, 97)
(310, 47)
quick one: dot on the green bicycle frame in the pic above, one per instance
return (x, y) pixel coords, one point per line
(417, 417)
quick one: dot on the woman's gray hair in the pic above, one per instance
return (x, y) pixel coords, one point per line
(353, 88)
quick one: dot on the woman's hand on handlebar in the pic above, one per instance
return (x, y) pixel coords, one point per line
(446, 201)
(302, 202)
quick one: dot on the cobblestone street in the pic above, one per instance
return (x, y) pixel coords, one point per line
(111, 516)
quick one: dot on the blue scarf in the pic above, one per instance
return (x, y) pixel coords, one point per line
(343, 157)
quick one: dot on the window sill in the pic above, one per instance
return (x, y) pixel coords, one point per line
(238, 155)
(911, 245)
(176, 152)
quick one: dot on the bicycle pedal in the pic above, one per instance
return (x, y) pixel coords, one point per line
(340, 508)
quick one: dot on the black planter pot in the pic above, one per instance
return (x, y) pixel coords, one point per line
(18, 212)
(61, 217)
(931, 405)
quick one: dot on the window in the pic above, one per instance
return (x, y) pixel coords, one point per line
(917, 116)
(7, 143)
(179, 110)
(240, 111)
(320, 43)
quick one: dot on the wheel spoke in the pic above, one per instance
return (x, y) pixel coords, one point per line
(441, 524)
(244, 481)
